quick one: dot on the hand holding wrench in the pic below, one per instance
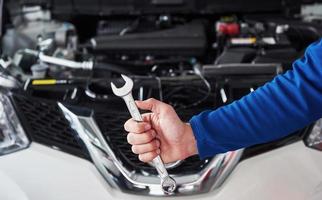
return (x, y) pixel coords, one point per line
(168, 184)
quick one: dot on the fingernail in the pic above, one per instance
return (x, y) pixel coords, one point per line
(158, 151)
(158, 143)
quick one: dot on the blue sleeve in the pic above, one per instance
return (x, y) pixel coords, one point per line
(289, 102)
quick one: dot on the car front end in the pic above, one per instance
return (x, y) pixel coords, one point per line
(61, 127)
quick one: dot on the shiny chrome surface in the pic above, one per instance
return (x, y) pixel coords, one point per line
(121, 178)
(8, 82)
(125, 89)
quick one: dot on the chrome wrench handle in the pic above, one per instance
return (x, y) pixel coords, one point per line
(168, 184)
(133, 109)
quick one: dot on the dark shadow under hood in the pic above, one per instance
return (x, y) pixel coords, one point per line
(139, 7)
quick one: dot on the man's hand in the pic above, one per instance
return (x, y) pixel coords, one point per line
(161, 133)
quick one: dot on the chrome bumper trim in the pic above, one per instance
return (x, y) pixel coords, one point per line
(117, 176)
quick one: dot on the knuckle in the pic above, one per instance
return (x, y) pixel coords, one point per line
(152, 99)
(153, 134)
(154, 145)
(157, 144)
(148, 137)
(168, 107)
(140, 127)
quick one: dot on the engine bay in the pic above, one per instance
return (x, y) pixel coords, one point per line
(163, 48)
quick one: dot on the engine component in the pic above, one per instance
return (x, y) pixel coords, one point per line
(230, 29)
(85, 65)
(28, 54)
(33, 28)
(39, 70)
(236, 55)
(236, 80)
(242, 69)
(12, 41)
(281, 55)
(185, 40)
(11, 72)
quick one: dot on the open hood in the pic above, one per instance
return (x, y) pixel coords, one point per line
(139, 7)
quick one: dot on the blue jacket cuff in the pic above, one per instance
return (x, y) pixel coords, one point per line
(206, 148)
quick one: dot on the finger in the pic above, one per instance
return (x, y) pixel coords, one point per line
(150, 104)
(147, 157)
(142, 138)
(147, 117)
(136, 127)
(146, 148)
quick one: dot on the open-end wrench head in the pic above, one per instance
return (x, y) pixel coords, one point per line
(125, 89)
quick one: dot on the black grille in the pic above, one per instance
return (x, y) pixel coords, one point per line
(45, 124)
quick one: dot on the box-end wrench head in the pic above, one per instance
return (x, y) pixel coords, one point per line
(168, 184)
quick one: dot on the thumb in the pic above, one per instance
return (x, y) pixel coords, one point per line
(150, 104)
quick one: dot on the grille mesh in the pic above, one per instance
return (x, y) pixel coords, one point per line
(46, 124)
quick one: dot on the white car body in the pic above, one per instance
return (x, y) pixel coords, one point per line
(291, 172)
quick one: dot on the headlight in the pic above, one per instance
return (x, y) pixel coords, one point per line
(12, 135)
(314, 139)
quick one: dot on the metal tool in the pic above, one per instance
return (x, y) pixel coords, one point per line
(168, 184)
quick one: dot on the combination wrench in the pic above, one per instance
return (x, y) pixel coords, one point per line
(168, 184)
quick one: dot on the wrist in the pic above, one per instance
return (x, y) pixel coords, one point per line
(191, 143)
